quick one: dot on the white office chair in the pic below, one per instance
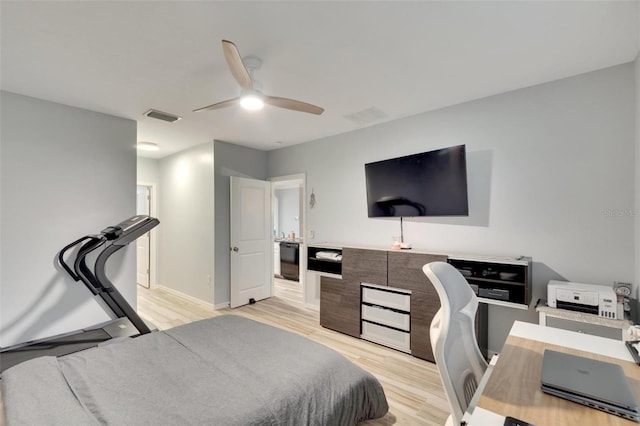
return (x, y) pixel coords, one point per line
(458, 357)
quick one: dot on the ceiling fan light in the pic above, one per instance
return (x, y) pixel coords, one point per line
(252, 102)
(148, 146)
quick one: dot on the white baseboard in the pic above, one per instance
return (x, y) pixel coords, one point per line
(312, 306)
(221, 306)
(187, 297)
(491, 353)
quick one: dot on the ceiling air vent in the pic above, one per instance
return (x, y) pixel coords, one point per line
(367, 116)
(164, 116)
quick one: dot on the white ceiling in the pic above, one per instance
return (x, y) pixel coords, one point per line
(402, 58)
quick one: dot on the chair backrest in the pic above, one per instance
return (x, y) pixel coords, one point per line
(453, 340)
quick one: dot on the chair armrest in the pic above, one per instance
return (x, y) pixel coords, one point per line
(480, 389)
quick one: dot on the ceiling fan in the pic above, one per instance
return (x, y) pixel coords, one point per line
(251, 98)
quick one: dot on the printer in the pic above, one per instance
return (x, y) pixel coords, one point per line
(590, 298)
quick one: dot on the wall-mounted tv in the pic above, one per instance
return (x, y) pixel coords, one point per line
(432, 183)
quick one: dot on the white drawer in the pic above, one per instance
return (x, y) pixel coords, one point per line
(386, 336)
(386, 317)
(387, 298)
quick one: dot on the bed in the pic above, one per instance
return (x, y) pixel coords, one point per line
(226, 370)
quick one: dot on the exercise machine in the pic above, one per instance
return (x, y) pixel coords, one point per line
(126, 323)
(113, 239)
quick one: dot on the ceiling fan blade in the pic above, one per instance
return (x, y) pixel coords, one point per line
(234, 61)
(293, 105)
(218, 105)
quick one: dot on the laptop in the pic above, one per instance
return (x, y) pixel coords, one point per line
(596, 384)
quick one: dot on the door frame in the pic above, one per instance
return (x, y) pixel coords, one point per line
(153, 234)
(302, 178)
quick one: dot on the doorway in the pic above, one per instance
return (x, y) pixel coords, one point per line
(143, 244)
(288, 215)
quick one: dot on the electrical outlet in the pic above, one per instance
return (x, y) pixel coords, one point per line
(622, 288)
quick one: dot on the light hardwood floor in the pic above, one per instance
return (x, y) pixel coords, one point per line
(412, 386)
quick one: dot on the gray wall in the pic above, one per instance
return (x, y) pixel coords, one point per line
(637, 191)
(65, 173)
(230, 160)
(550, 174)
(186, 213)
(148, 170)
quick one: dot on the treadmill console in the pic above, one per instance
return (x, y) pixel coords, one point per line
(112, 232)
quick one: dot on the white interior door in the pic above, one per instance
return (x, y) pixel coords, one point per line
(143, 201)
(251, 243)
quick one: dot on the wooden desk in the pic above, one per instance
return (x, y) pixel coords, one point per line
(513, 388)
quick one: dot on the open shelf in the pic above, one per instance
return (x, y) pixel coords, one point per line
(322, 264)
(320, 259)
(499, 283)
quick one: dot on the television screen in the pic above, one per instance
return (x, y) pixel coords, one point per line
(432, 183)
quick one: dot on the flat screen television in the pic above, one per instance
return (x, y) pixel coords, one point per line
(432, 183)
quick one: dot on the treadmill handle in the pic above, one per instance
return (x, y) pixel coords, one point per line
(64, 250)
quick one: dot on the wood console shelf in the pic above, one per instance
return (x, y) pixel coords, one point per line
(343, 308)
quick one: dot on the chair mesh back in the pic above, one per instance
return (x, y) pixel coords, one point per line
(470, 385)
(457, 355)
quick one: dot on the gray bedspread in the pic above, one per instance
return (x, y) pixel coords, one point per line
(226, 370)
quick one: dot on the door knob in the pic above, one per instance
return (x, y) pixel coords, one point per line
(235, 249)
